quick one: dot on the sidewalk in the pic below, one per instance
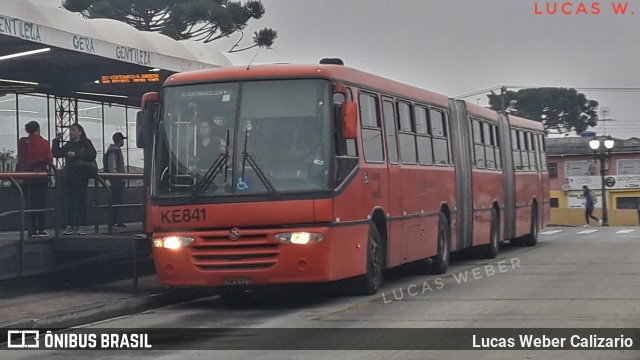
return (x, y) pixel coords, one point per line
(73, 307)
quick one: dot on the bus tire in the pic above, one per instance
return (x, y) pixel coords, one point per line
(369, 283)
(532, 238)
(440, 262)
(490, 251)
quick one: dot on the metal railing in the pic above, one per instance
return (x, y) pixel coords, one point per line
(101, 179)
(16, 178)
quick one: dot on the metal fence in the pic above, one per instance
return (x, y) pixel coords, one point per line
(16, 179)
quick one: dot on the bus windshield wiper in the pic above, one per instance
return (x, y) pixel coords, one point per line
(213, 171)
(248, 158)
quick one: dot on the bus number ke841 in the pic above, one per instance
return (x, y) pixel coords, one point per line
(183, 216)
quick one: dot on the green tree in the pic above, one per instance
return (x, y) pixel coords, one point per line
(199, 20)
(6, 156)
(561, 110)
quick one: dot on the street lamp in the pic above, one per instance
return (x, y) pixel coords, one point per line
(602, 151)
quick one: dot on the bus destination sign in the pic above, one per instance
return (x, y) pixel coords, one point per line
(129, 78)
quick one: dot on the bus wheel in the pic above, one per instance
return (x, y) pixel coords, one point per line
(490, 251)
(369, 283)
(440, 262)
(532, 238)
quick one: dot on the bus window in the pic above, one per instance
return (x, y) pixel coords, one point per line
(515, 141)
(522, 136)
(542, 149)
(533, 161)
(478, 147)
(423, 138)
(439, 133)
(390, 129)
(496, 135)
(488, 145)
(407, 136)
(371, 131)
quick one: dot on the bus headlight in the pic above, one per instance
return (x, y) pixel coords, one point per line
(299, 237)
(172, 242)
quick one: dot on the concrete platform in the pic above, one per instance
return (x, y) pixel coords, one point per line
(47, 254)
(62, 308)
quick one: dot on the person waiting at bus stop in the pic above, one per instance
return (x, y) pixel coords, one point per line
(34, 155)
(590, 200)
(80, 156)
(113, 162)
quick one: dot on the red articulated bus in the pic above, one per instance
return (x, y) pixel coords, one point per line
(285, 174)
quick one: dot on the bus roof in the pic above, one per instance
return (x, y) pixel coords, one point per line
(514, 120)
(525, 123)
(339, 73)
(476, 110)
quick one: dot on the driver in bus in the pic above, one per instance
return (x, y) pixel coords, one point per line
(208, 147)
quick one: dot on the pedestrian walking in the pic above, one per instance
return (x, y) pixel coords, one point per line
(590, 201)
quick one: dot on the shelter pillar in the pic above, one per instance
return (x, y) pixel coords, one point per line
(66, 115)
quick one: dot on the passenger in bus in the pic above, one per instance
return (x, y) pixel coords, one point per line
(590, 200)
(208, 145)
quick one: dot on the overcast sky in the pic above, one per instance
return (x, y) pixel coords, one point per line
(456, 47)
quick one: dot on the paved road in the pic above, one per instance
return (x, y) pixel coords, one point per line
(574, 278)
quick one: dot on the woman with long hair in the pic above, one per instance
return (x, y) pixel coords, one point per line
(80, 156)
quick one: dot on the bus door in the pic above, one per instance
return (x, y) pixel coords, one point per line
(398, 250)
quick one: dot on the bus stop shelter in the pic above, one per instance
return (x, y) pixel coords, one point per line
(71, 60)
(53, 51)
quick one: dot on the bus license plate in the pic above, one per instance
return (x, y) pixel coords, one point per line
(238, 282)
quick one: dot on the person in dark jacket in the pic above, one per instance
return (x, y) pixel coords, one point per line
(590, 200)
(79, 155)
(113, 162)
(34, 155)
(209, 145)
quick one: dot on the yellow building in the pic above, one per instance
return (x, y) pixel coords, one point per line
(572, 164)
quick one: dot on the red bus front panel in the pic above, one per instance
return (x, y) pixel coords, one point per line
(256, 257)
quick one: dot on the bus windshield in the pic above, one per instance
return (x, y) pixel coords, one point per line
(244, 138)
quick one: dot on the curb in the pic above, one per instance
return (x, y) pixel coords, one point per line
(103, 310)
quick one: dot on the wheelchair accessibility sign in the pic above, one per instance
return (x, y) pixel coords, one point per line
(243, 184)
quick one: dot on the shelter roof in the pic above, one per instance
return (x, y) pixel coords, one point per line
(84, 52)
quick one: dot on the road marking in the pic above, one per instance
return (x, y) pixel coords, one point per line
(626, 231)
(587, 232)
(550, 232)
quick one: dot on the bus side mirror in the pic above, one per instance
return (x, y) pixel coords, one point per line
(349, 116)
(145, 119)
